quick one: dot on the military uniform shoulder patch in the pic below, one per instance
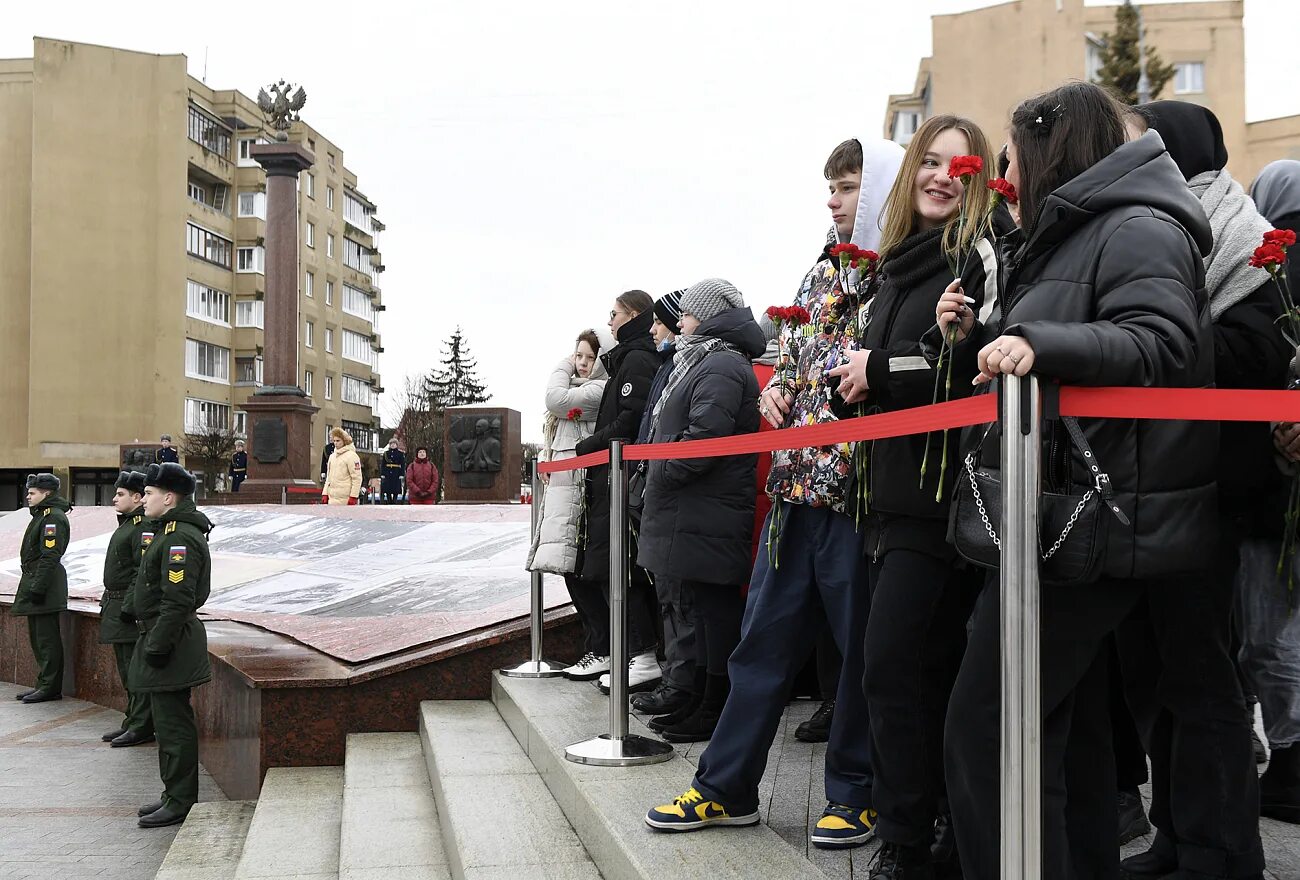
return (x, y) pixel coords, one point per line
(135, 521)
(176, 555)
(176, 558)
(46, 511)
(171, 527)
(51, 535)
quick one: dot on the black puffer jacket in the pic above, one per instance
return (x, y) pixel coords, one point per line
(1109, 290)
(631, 365)
(912, 279)
(699, 512)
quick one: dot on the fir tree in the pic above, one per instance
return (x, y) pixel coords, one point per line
(456, 383)
(1120, 70)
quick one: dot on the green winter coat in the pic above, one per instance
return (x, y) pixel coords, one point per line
(174, 581)
(43, 588)
(121, 565)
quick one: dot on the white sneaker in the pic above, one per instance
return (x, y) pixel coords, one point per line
(589, 667)
(642, 674)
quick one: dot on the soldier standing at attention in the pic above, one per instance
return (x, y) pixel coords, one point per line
(394, 470)
(43, 589)
(121, 565)
(171, 656)
(238, 466)
(167, 452)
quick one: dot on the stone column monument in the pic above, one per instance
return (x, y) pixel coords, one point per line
(280, 412)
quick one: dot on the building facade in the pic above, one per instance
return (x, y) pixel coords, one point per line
(132, 262)
(986, 61)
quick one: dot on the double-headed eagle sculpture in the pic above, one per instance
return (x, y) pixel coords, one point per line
(280, 107)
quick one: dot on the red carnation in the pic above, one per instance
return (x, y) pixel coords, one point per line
(798, 315)
(1268, 256)
(842, 249)
(1283, 237)
(575, 413)
(1002, 187)
(965, 166)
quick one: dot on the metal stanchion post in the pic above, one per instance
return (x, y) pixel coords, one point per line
(618, 748)
(535, 667)
(1022, 722)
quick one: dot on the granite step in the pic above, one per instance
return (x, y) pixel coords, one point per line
(209, 844)
(499, 822)
(607, 805)
(390, 826)
(294, 834)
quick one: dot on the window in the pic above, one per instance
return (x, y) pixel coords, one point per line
(356, 212)
(363, 435)
(356, 347)
(329, 198)
(248, 371)
(329, 291)
(330, 159)
(1189, 78)
(306, 382)
(311, 185)
(1092, 57)
(203, 360)
(196, 192)
(329, 387)
(209, 133)
(207, 303)
(357, 391)
(202, 416)
(207, 245)
(241, 424)
(906, 123)
(356, 302)
(246, 159)
(329, 245)
(311, 235)
(248, 313)
(252, 204)
(357, 256)
(311, 144)
(309, 338)
(329, 340)
(252, 259)
(309, 285)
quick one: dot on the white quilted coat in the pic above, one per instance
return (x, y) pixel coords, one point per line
(555, 546)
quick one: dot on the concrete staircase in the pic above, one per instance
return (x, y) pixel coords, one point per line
(482, 792)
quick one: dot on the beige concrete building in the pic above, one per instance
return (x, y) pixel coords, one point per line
(132, 230)
(987, 60)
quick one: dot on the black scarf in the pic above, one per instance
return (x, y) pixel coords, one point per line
(917, 258)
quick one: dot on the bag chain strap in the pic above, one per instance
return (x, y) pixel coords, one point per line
(988, 526)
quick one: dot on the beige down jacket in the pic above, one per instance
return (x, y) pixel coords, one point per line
(555, 545)
(343, 476)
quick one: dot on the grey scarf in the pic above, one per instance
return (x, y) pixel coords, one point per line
(1238, 229)
(690, 351)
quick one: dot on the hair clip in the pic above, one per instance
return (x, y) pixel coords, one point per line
(1049, 117)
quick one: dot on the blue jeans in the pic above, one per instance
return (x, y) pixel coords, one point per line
(821, 576)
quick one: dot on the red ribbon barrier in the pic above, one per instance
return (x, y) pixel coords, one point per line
(1187, 404)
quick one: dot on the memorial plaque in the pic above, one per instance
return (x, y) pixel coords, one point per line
(483, 455)
(270, 440)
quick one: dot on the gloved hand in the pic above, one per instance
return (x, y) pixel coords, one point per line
(352, 500)
(324, 499)
(126, 617)
(157, 661)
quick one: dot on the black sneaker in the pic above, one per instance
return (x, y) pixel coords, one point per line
(896, 862)
(697, 728)
(663, 700)
(817, 729)
(672, 719)
(1279, 786)
(1160, 860)
(1133, 821)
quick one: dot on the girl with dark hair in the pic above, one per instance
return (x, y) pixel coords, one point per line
(1107, 288)
(422, 478)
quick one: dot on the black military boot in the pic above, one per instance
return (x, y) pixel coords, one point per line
(24, 695)
(1159, 860)
(661, 700)
(703, 721)
(672, 719)
(1279, 786)
(41, 697)
(817, 729)
(112, 735)
(896, 862)
(150, 808)
(1133, 821)
(161, 818)
(132, 738)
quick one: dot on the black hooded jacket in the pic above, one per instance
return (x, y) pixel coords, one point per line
(631, 365)
(1108, 289)
(699, 512)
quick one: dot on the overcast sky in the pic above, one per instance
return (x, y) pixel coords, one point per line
(533, 160)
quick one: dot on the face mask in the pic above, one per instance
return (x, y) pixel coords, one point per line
(665, 345)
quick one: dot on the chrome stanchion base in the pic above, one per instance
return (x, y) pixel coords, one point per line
(538, 669)
(630, 751)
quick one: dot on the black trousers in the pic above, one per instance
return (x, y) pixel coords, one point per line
(237, 480)
(1187, 700)
(1078, 802)
(593, 608)
(593, 611)
(718, 612)
(47, 647)
(914, 642)
(178, 747)
(1130, 754)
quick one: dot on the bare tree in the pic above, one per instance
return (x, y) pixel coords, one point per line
(531, 451)
(419, 421)
(209, 451)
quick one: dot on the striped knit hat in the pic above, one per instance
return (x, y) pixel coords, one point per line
(668, 309)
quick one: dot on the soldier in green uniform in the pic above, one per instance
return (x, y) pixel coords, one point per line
(43, 588)
(171, 656)
(121, 565)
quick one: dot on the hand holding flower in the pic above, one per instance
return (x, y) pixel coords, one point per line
(954, 311)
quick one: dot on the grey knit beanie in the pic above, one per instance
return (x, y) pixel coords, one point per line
(710, 298)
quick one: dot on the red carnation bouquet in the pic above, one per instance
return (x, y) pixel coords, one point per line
(795, 316)
(575, 413)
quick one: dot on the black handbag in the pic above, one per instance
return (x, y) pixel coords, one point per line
(1073, 527)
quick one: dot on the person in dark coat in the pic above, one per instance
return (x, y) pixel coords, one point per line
(1177, 649)
(392, 472)
(171, 654)
(921, 595)
(121, 565)
(699, 512)
(166, 452)
(43, 587)
(631, 366)
(325, 458)
(1108, 289)
(238, 466)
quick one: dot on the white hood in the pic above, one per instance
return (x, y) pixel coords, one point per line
(881, 160)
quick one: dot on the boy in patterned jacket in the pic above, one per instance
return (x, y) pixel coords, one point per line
(812, 570)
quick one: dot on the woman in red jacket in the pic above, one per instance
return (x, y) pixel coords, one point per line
(422, 479)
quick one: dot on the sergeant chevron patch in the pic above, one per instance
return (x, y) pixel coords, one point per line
(176, 576)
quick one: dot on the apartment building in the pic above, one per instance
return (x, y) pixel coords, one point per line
(985, 61)
(132, 261)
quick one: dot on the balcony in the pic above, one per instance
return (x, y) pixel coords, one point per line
(376, 343)
(377, 261)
